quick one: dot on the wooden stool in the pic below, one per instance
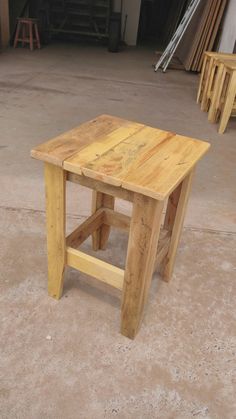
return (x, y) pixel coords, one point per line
(208, 74)
(223, 103)
(27, 26)
(226, 98)
(134, 162)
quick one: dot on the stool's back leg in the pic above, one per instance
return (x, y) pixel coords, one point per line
(31, 36)
(202, 79)
(143, 239)
(101, 236)
(37, 35)
(174, 219)
(229, 102)
(208, 81)
(216, 93)
(23, 35)
(17, 34)
(55, 185)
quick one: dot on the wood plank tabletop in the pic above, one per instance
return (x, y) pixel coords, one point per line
(133, 156)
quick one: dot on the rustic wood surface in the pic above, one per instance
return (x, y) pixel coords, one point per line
(55, 183)
(125, 154)
(92, 266)
(140, 263)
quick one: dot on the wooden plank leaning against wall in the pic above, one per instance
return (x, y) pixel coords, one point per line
(4, 24)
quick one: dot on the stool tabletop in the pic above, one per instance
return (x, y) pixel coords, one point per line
(27, 19)
(229, 63)
(223, 55)
(127, 154)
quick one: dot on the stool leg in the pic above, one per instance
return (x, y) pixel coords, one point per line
(208, 83)
(17, 34)
(174, 219)
(55, 185)
(228, 105)
(31, 36)
(37, 35)
(23, 35)
(216, 94)
(143, 240)
(203, 79)
(101, 236)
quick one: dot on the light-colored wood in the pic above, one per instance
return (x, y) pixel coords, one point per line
(202, 31)
(174, 222)
(208, 85)
(95, 267)
(4, 24)
(101, 132)
(102, 216)
(98, 186)
(171, 208)
(101, 235)
(221, 71)
(143, 240)
(151, 162)
(216, 84)
(214, 91)
(55, 181)
(140, 159)
(202, 78)
(84, 230)
(116, 219)
(141, 164)
(163, 248)
(208, 75)
(229, 102)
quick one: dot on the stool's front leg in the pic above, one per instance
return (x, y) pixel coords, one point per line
(100, 236)
(55, 185)
(174, 219)
(143, 240)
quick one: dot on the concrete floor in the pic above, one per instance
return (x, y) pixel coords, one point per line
(66, 359)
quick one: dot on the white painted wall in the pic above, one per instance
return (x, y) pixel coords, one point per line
(229, 29)
(131, 8)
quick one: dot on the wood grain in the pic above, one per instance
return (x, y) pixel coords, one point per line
(142, 247)
(99, 186)
(174, 222)
(95, 267)
(58, 149)
(101, 235)
(55, 182)
(84, 230)
(135, 158)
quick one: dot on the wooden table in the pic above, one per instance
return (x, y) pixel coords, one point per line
(128, 160)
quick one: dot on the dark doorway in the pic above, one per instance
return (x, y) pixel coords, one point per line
(158, 20)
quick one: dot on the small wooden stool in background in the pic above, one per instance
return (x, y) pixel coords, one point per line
(223, 103)
(134, 162)
(217, 87)
(208, 74)
(27, 32)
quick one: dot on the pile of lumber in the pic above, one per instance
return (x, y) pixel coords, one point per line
(201, 33)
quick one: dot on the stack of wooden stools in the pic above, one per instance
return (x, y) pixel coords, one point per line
(134, 162)
(27, 32)
(217, 88)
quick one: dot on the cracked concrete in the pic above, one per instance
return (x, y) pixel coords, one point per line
(67, 359)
